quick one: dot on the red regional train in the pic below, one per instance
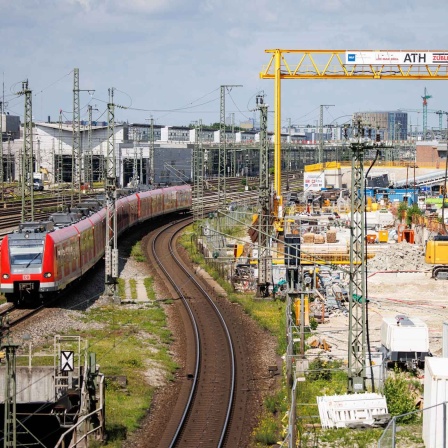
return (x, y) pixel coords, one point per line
(39, 260)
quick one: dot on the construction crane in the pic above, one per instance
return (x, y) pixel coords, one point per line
(428, 111)
(341, 64)
(425, 98)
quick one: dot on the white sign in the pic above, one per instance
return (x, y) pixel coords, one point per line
(67, 361)
(396, 58)
(313, 181)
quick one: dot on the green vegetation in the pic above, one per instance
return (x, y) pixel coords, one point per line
(128, 341)
(149, 285)
(121, 288)
(133, 288)
(131, 343)
(137, 252)
(400, 393)
(412, 211)
(406, 212)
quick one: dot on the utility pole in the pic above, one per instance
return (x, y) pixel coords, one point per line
(357, 287)
(264, 217)
(59, 166)
(321, 131)
(141, 166)
(151, 153)
(27, 156)
(9, 161)
(76, 148)
(135, 162)
(233, 157)
(10, 418)
(10, 404)
(222, 159)
(198, 175)
(111, 250)
(88, 159)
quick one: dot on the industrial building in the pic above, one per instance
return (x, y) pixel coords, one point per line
(391, 125)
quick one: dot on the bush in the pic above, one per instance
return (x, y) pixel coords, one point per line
(399, 396)
(412, 211)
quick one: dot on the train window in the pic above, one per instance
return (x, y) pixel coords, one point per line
(26, 254)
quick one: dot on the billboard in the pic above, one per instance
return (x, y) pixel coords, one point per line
(395, 58)
(313, 181)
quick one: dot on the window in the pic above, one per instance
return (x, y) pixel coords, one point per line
(26, 253)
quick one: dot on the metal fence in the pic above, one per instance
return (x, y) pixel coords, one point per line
(429, 429)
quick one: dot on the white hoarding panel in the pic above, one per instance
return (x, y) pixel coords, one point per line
(395, 58)
(313, 181)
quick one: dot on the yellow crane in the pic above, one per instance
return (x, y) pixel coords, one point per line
(349, 65)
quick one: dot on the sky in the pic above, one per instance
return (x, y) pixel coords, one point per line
(167, 59)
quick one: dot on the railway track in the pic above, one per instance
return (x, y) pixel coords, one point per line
(211, 405)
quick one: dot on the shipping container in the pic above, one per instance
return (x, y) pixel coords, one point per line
(435, 394)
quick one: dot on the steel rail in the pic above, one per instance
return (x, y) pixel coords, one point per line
(198, 354)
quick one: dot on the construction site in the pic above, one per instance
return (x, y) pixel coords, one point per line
(360, 256)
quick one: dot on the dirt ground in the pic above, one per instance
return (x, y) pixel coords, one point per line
(413, 294)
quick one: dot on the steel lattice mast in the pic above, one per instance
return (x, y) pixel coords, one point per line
(357, 288)
(135, 144)
(222, 158)
(10, 418)
(151, 154)
(76, 145)
(111, 250)
(198, 175)
(27, 157)
(88, 163)
(321, 132)
(59, 166)
(264, 216)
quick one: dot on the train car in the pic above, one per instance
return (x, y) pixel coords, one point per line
(183, 198)
(39, 260)
(169, 199)
(22, 261)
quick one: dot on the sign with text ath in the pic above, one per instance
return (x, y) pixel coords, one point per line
(396, 57)
(67, 361)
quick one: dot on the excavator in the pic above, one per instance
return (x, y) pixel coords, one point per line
(436, 253)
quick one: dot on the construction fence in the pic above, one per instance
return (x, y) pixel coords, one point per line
(429, 428)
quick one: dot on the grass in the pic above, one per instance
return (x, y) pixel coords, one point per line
(131, 342)
(121, 288)
(149, 285)
(133, 287)
(137, 252)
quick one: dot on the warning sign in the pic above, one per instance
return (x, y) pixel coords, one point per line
(67, 361)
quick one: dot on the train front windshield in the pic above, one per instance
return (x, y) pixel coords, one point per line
(26, 253)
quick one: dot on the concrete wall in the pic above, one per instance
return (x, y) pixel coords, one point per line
(33, 385)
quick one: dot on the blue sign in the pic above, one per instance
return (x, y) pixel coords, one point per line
(351, 57)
